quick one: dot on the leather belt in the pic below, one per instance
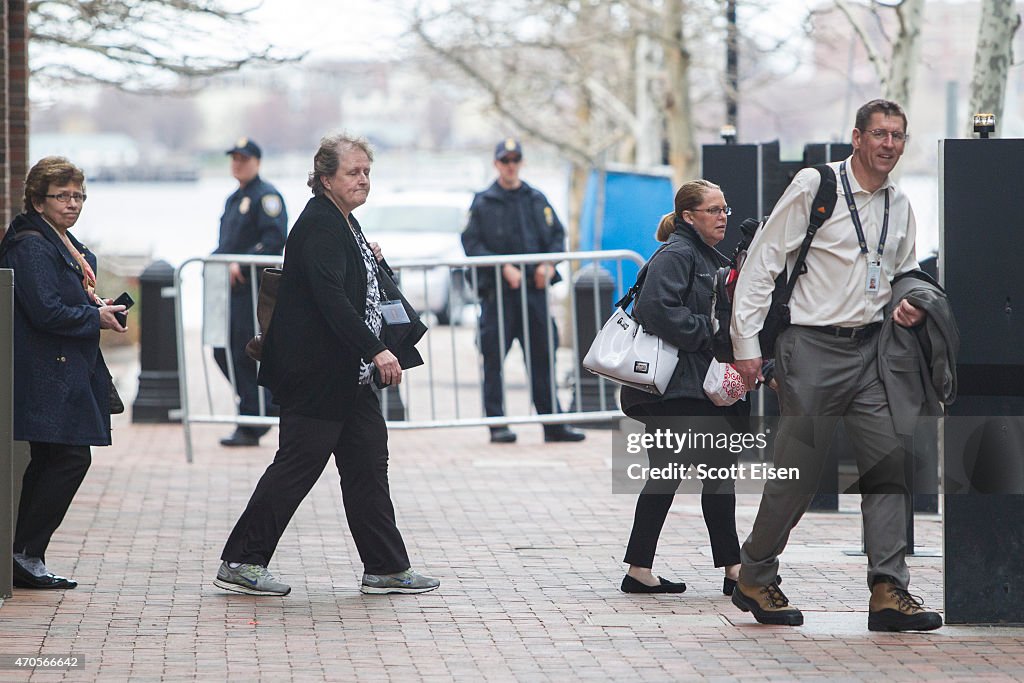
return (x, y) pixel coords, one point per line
(847, 332)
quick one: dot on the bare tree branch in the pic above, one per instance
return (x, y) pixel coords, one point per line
(873, 57)
(495, 94)
(127, 43)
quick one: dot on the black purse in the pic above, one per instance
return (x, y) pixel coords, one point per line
(265, 303)
(116, 404)
(403, 337)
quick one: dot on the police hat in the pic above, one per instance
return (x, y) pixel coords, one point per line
(507, 147)
(247, 147)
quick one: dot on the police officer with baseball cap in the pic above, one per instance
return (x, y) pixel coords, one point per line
(254, 222)
(510, 217)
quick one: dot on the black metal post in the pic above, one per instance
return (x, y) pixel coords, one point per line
(589, 282)
(732, 71)
(158, 398)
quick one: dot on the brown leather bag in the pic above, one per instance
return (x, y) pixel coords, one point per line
(264, 310)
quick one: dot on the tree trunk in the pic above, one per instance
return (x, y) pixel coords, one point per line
(579, 174)
(646, 131)
(899, 86)
(993, 57)
(678, 111)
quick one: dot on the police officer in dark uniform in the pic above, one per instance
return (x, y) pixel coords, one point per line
(254, 222)
(510, 217)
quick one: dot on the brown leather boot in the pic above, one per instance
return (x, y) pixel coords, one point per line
(768, 604)
(894, 609)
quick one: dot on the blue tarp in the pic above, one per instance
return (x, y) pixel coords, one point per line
(633, 206)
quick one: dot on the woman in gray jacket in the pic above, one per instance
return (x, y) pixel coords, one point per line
(675, 304)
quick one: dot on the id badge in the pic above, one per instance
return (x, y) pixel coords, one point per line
(874, 276)
(393, 312)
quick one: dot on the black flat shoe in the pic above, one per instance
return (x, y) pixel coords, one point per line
(23, 578)
(631, 585)
(563, 433)
(240, 438)
(729, 585)
(502, 435)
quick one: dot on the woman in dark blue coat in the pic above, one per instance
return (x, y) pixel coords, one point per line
(61, 384)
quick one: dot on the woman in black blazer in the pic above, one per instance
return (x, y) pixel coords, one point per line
(675, 304)
(319, 355)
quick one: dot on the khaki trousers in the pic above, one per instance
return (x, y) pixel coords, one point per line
(823, 379)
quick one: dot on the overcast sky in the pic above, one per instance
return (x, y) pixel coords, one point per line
(370, 28)
(332, 28)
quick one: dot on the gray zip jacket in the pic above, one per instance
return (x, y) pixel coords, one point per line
(678, 312)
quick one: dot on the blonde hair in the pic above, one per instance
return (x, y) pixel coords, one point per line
(688, 197)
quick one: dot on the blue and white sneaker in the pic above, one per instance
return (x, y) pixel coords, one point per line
(251, 579)
(408, 581)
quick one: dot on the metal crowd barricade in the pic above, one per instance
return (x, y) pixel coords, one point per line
(215, 332)
(436, 394)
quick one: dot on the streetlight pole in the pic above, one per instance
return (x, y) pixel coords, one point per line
(731, 66)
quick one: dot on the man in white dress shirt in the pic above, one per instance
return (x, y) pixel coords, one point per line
(826, 366)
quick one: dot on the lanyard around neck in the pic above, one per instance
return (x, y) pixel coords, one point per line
(855, 216)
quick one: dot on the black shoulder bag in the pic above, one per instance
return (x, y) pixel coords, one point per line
(778, 317)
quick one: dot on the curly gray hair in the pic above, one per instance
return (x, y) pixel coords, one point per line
(328, 157)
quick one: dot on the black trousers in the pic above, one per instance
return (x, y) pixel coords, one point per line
(241, 331)
(360, 448)
(47, 489)
(718, 497)
(536, 324)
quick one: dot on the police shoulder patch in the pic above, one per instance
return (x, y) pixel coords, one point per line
(272, 205)
(549, 216)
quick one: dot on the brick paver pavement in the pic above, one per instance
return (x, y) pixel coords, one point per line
(527, 540)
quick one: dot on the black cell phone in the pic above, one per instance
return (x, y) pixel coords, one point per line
(127, 301)
(377, 382)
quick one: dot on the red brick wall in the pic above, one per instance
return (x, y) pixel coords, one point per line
(5, 186)
(17, 103)
(13, 107)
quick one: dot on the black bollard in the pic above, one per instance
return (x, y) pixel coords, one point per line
(159, 388)
(589, 319)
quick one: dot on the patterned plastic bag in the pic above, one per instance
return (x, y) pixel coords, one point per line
(723, 384)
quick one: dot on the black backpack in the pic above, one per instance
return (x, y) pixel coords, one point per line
(724, 286)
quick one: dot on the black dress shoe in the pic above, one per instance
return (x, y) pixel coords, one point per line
(241, 438)
(563, 433)
(502, 435)
(631, 585)
(23, 578)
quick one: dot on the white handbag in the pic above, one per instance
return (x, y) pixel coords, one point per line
(624, 353)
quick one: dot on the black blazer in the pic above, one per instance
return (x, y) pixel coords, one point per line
(312, 351)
